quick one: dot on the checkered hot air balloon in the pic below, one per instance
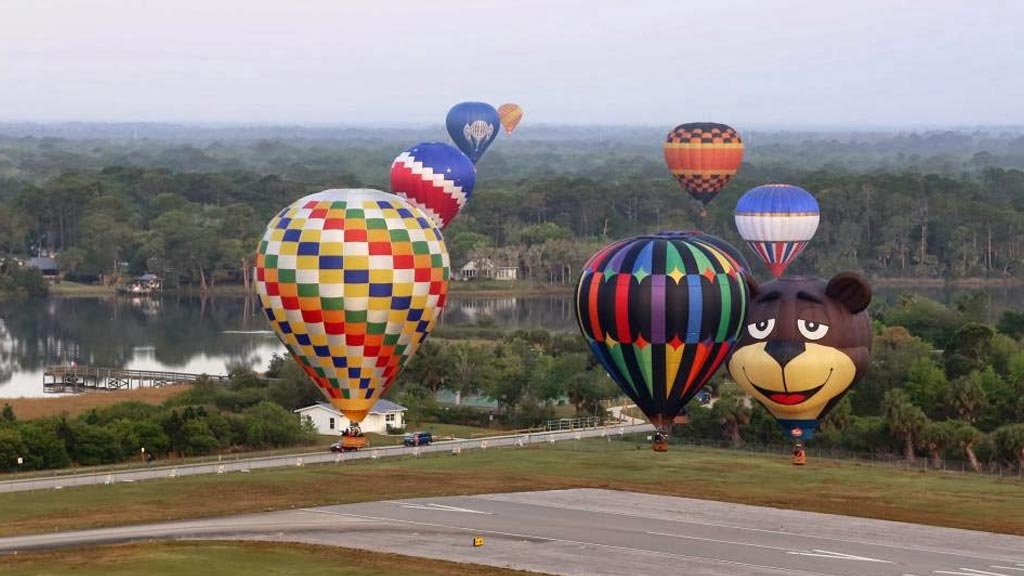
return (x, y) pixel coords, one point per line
(510, 115)
(661, 312)
(352, 282)
(777, 221)
(435, 177)
(703, 156)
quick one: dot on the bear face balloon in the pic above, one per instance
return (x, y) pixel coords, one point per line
(805, 343)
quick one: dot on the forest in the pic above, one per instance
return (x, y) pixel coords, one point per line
(189, 205)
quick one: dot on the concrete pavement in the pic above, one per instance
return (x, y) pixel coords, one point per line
(604, 533)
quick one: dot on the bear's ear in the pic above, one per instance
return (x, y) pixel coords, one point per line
(752, 286)
(851, 290)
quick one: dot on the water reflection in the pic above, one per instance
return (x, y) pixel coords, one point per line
(172, 333)
(213, 334)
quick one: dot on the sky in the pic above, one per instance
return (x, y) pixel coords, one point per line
(768, 63)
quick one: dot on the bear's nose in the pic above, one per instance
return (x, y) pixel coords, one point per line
(784, 350)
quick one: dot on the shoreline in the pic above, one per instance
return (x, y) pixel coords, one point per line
(458, 290)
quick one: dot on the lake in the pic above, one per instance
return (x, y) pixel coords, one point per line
(190, 334)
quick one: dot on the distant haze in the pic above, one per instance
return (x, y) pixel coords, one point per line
(752, 63)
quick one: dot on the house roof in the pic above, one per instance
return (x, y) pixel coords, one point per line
(381, 407)
(43, 263)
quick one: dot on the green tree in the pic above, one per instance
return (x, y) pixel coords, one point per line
(1009, 442)
(732, 412)
(966, 398)
(905, 420)
(966, 437)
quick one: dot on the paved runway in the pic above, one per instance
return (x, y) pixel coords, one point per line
(602, 532)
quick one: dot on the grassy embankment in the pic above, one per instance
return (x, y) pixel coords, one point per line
(216, 558)
(32, 408)
(840, 487)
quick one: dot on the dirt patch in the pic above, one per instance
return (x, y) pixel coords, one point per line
(32, 408)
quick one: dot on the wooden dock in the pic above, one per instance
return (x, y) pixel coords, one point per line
(78, 379)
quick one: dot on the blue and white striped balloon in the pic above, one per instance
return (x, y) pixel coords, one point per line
(777, 221)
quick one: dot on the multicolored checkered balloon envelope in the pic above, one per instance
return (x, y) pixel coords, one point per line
(352, 282)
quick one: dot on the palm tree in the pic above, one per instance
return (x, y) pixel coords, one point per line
(966, 397)
(732, 411)
(967, 437)
(934, 438)
(905, 420)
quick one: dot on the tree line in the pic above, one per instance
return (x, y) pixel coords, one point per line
(249, 413)
(194, 214)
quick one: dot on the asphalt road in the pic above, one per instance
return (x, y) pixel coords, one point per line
(306, 458)
(602, 532)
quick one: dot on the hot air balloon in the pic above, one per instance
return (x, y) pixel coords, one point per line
(352, 282)
(510, 115)
(806, 342)
(435, 177)
(777, 221)
(661, 312)
(473, 126)
(703, 156)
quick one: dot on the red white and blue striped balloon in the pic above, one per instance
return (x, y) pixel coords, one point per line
(436, 177)
(777, 221)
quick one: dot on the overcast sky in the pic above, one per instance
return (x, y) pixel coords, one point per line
(748, 62)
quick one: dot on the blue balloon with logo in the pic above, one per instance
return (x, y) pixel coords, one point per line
(472, 127)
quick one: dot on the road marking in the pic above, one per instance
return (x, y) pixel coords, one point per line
(969, 572)
(721, 541)
(1009, 567)
(441, 508)
(744, 528)
(564, 541)
(839, 556)
(820, 553)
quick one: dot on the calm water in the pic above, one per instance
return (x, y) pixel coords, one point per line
(194, 335)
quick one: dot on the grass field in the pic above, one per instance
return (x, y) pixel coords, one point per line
(840, 487)
(31, 408)
(215, 559)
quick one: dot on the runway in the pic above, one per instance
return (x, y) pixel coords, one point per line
(603, 532)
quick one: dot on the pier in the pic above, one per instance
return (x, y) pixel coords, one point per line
(78, 379)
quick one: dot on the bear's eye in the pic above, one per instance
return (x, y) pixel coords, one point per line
(812, 330)
(761, 330)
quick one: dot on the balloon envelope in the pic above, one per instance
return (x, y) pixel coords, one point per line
(352, 282)
(661, 312)
(435, 177)
(807, 341)
(703, 156)
(510, 115)
(777, 221)
(473, 126)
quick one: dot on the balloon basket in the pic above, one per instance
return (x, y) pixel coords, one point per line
(799, 456)
(661, 446)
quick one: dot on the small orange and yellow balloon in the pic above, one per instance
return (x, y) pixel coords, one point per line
(510, 115)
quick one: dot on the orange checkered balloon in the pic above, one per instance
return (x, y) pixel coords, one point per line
(703, 156)
(352, 282)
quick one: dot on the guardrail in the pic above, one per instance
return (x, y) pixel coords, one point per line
(573, 423)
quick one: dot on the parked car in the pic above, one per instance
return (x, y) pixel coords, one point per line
(418, 439)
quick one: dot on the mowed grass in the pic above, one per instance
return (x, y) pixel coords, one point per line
(839, 487)
(216, 558)
(32, 408)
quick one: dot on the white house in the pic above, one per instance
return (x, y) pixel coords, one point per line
(485, 268)
(329, 421)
